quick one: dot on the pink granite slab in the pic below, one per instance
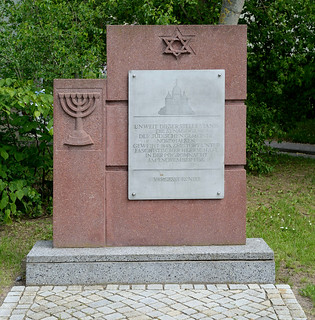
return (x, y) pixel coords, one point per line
(79, 171)
(235, 134)
(117, 135)
(141, 48)
(176, 222)
(91, 208)
(79, 188)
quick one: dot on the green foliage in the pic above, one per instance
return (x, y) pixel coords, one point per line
(163, 12)
(25, 150)
(260, 127)
(281, 57)
(50, 39)
(309, 291)
(280, 72)
(303, 132)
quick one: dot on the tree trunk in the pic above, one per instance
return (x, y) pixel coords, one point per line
(230, 11)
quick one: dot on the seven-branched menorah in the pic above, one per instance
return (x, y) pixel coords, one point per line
(78, 106)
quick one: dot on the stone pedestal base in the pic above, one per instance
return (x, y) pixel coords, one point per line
(250, 263)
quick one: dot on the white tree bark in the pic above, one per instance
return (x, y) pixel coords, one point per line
(230, 11)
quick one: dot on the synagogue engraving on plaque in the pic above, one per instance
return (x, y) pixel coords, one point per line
(176, 134)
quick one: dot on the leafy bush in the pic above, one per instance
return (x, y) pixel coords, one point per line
(25, 150)
(281, 57)
(280, 72)
(260, 127)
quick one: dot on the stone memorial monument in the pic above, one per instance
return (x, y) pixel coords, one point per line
(149, 178)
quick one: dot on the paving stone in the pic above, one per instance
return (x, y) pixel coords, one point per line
(222, 286)
(199, 287)
(284, 317)
(155, 286)
(255, 299)
(46, 293)
(138, 287)
(238, 286)
(218, 316)
(288, 296)
(37, 315)
(5, 312)
(26, 300)
(63, 315)
(186, 301)
(198, 316)
(31, 289)
(59, 288)
(212, 287)
(283, 286)
(9, 305)
(112, 287)
(253, 286)
(15, 293)
(272, 290)
(47, 288)
(19, 311)
(114, 316)
(281, 310)
(268, 286)
(297, 313)
(252, 316)
(17, 317)
(294, 305)
(182, 317)
(249, 308)
(17, 288)
(215, 296)
(277, 302)
(187, 286)
(166, 317)
(79, 314)
(22, 306)
(124, 287)
(171, 286)
(74, 288)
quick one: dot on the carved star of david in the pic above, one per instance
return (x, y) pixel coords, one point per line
(178, 44)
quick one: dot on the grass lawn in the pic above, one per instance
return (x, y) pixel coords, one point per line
(16, 241)
(280, 209)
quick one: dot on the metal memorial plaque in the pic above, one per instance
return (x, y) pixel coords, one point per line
(176, 134)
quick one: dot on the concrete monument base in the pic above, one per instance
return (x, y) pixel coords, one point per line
(249, 263)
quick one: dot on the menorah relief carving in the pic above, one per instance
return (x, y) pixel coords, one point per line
(78, 106)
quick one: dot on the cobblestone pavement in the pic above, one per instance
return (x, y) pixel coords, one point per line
(153, 301)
